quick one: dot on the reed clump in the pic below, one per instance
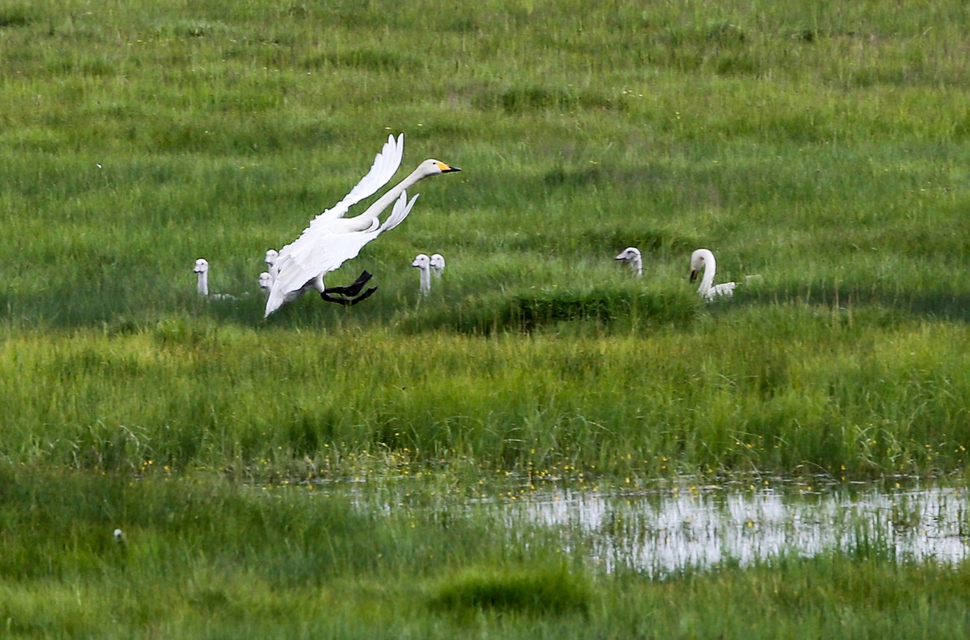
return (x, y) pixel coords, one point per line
(537, 591)
(610, 309)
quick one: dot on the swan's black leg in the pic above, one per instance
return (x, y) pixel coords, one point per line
(353, 288)
(345, 295)
(329, 298)
(347, 301)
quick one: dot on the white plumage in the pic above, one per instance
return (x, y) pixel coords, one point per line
(631, 256)
(423, 263)
(437, 263)
(202, 285)
(704, 259)
(272, 255)
(331, 239)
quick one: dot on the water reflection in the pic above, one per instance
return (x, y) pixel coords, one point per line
(667, 531)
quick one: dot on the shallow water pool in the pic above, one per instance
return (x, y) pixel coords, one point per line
(689, 526)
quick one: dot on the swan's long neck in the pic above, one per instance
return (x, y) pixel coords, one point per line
(388, 198)
(425, 281)
(637, 265)
(203, 285)
(710, 268)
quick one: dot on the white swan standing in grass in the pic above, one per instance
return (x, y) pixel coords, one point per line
(704, 259)
(331, 239)
(437, 265)
(423, 263)
(265, 281)
(631, 256)
(202, 286)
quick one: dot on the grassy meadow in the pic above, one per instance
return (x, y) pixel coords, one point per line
(822, 146)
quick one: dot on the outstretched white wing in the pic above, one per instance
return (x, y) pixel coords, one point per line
(386, 164)
(332, 250)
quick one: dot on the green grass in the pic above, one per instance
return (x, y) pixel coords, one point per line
(774, 389)
(532, 590)
(820, 145)
(204, 557)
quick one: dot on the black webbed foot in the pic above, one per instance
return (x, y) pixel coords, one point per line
(353, 288)
(340, 299)
(364, 295)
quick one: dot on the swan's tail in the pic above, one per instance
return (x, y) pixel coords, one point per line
(274, 301)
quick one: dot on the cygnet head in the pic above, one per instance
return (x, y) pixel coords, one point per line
(631, 255)
(437, 264)
(201, 266)
(702, 259)
(271, 256)
(265, 281)
(421, 261)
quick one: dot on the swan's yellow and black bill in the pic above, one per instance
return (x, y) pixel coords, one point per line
(693, 274)
(447, 168)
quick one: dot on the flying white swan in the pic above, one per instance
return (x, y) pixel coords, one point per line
(631, 256)
(340, 247)
(330, 240)
(423, 262)
(202, 286)
(437, 264)
(704, 259)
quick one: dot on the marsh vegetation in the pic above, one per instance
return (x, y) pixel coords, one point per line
(822, 146)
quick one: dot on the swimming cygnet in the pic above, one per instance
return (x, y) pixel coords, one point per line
(631, 256)
(437, 264)
(202, 286)
(423, 262)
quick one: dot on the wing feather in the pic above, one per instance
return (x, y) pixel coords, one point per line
(386, 164)
(337, 248)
